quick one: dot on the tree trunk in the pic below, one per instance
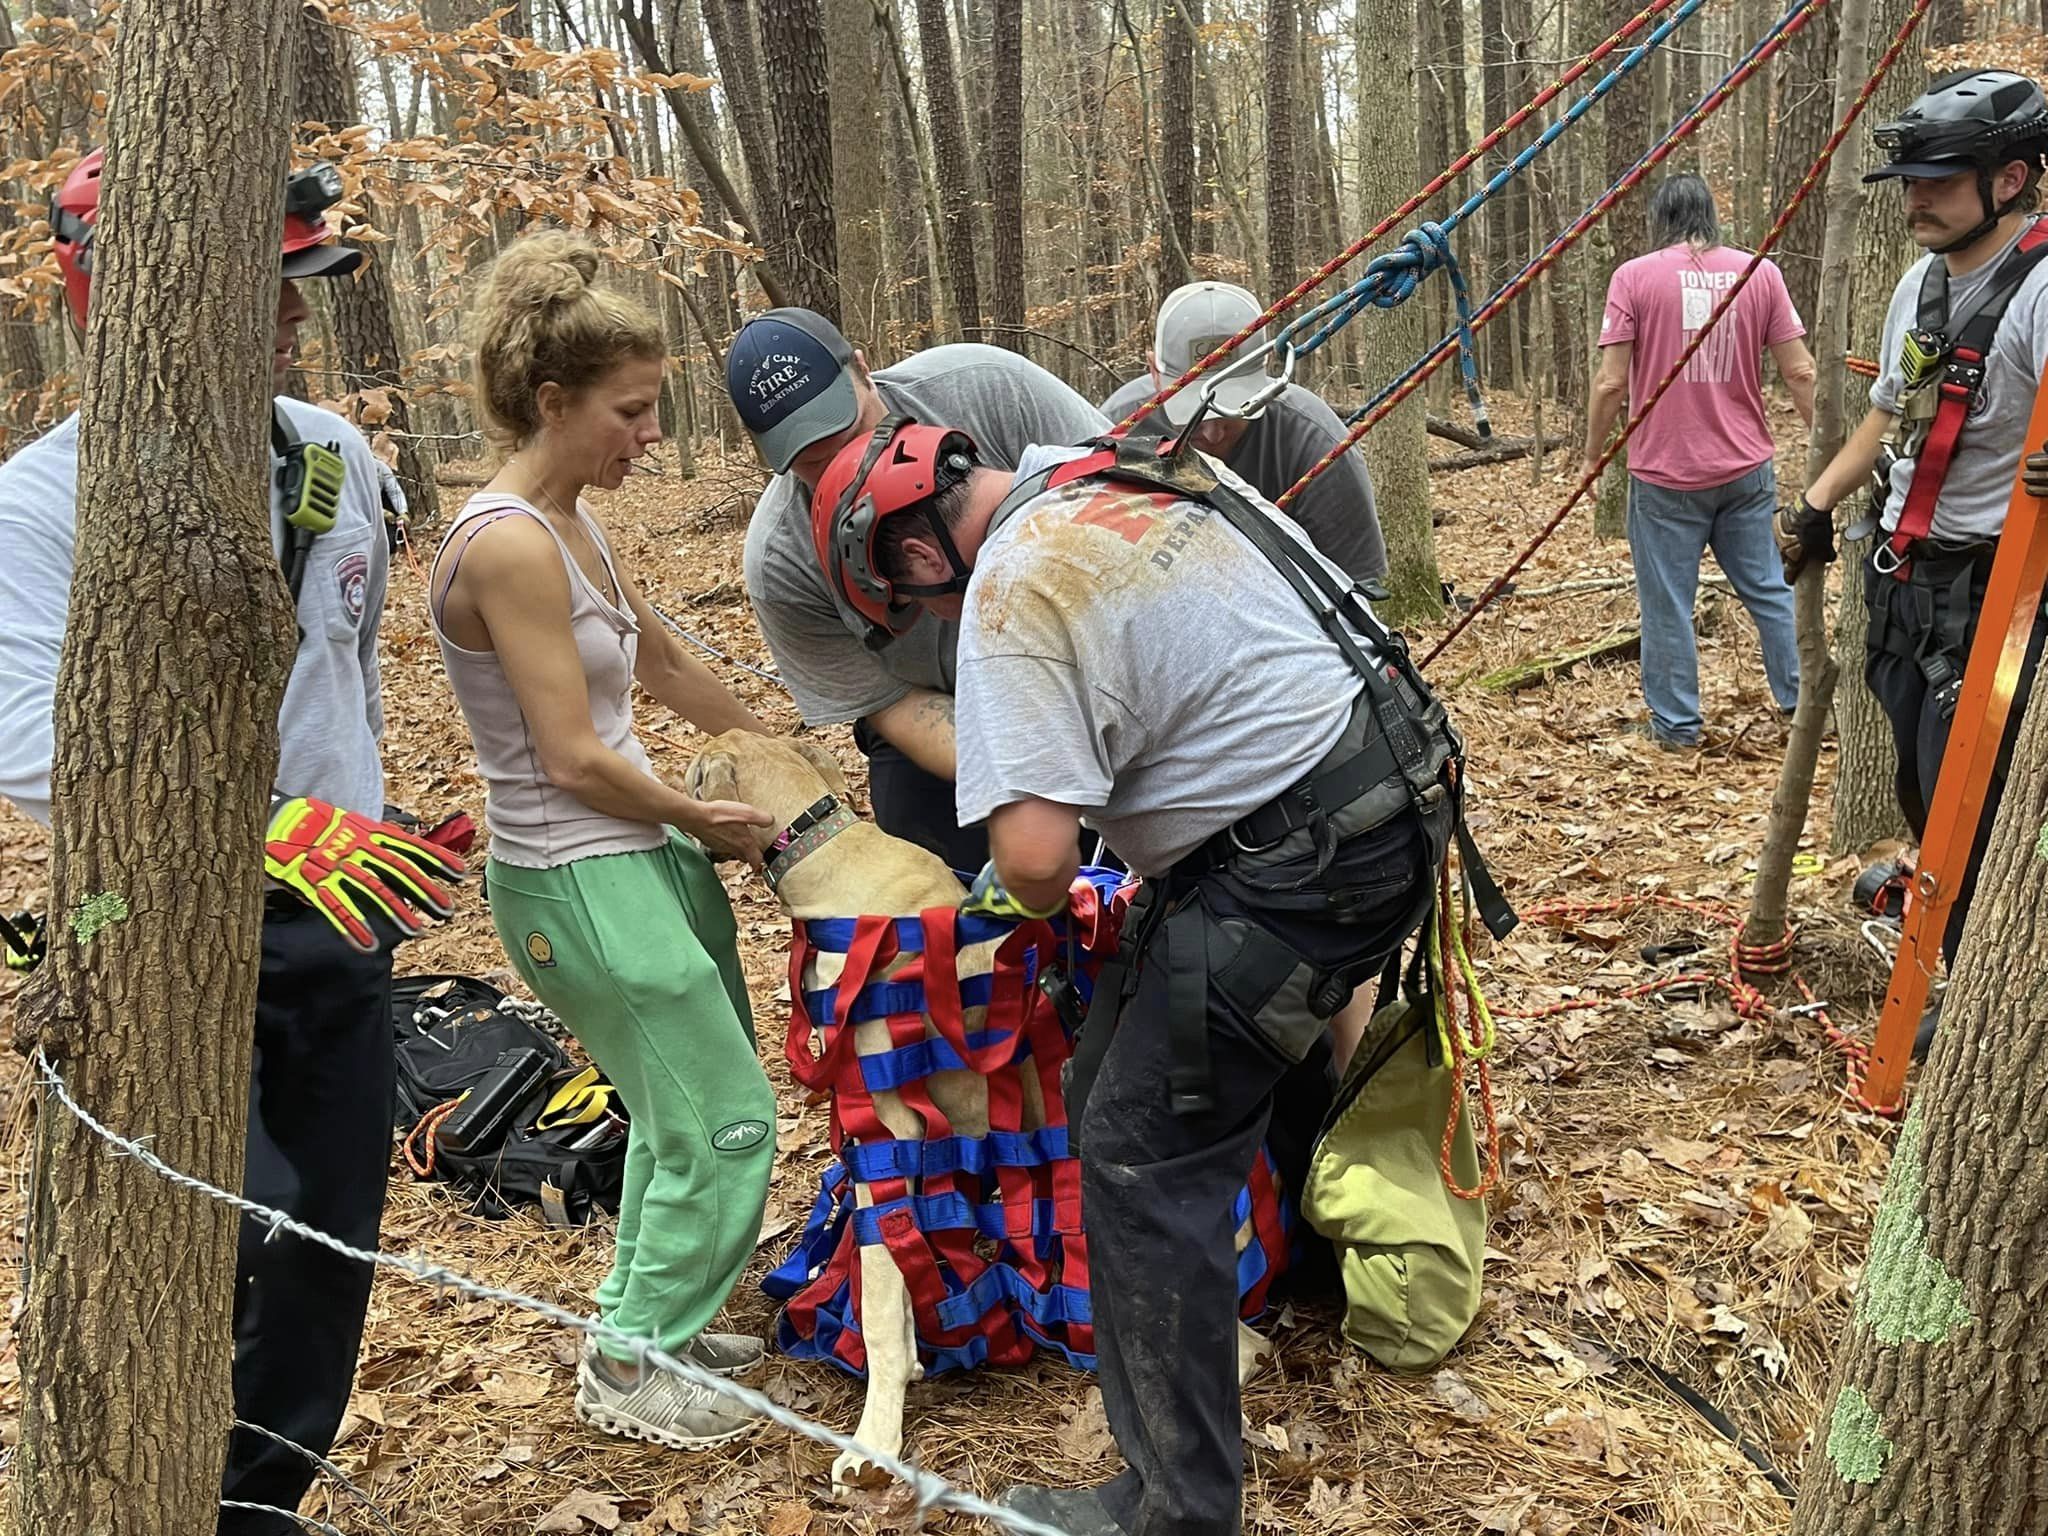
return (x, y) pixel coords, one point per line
(1936, 1417)
(1177, 140)
(167, 698)
(1006, 173)
(1504, 230)
(640, 28)
(1627, 125)
(1948, 24)
(1766, 923)
(857, 98)
(1397, 449)
(365, 321)
(1806, 73)
(21, 356)
(1282, 44)
(1866, 806)
(1752, 107)
(747, 101)
(955, 168)
(909, 266)
(793, 49)
(1098, 214)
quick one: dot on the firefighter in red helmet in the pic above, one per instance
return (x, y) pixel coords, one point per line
(345, 886)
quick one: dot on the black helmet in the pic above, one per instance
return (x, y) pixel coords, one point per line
(1974, 117)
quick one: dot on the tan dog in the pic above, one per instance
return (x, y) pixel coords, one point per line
(863, 870)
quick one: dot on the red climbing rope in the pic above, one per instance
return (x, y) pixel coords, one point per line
(1571, 236)
(1726, 303)
(1456, 168)
(1744, 961)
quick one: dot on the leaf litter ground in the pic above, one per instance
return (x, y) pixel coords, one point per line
(1682, 1187)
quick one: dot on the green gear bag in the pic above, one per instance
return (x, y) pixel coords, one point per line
(1411, 1252)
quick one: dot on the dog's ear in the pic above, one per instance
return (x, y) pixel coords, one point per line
(713, 776)
(826, 764)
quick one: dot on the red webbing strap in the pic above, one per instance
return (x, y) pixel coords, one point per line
(874, 944)
(1266, 1230)
(1930, 467)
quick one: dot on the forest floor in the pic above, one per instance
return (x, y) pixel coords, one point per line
(1683, 1187)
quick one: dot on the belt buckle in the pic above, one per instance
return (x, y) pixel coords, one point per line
(1237, 840)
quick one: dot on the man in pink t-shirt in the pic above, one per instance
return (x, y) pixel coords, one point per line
(1700, 470)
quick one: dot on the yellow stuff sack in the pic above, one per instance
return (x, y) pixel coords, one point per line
(1411, 1252)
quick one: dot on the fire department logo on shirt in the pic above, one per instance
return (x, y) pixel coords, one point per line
(352, 576)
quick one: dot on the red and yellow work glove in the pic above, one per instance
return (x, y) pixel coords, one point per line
(989, 897)
(339, 863)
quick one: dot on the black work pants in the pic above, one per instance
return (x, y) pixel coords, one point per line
(320, 1099)
(1919, 730)
(1158, 1187)
(918, 806)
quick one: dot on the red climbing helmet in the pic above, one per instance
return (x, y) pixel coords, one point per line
(310, 249)
(898, 468)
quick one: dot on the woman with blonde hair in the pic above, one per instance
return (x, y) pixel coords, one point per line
(599, 882)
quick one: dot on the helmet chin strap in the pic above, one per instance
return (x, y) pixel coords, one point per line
(1992, 214)
(953, 584)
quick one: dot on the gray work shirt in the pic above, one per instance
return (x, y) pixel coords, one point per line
(1131, 654)
(332, 715)
(1286, 441)
(1005, 403)
(1978, 489)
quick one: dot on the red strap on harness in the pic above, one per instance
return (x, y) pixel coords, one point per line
(1951, 415)
(1930, 468)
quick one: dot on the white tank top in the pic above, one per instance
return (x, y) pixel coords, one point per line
(533, 822)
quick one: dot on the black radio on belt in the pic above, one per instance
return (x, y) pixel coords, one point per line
(485, 1112)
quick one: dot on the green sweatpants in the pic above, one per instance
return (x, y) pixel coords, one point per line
(639, 955)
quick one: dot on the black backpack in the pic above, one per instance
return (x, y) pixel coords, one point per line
(488, 1102)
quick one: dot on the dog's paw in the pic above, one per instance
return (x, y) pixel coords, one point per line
(853, 1470)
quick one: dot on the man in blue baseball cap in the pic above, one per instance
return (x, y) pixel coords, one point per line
(804, 392)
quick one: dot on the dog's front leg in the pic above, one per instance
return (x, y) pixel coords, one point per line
(890, 1332)
(1254, 1349)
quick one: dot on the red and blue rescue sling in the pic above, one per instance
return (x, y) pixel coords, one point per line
(986, 1230)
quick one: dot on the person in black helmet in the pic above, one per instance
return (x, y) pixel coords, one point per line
(1965, 342)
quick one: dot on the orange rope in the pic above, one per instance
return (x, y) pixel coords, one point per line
(1748, 1001)
(1469, 1038)
(1861, 365)
(425, 1135)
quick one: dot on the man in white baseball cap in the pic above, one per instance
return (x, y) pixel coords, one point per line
(1274, 448)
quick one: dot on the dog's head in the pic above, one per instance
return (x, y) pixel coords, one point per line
(783, 775)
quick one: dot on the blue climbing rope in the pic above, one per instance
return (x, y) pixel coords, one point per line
(1392, 277)
(1460, 336)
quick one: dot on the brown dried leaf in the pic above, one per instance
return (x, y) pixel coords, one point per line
(1788, 1233)
(1450, 1390)
(789, 1519)
(584, 1504)
(1085, 1437)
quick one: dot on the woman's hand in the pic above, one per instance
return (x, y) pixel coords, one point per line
(722, 827)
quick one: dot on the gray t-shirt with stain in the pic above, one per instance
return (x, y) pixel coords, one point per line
(1978, 489)
(1281, 445)
(1130, 653)
(1005, 403)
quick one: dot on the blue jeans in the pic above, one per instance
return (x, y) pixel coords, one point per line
(1667, 531)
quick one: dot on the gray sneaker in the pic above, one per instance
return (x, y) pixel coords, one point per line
(722, 1354)
(660, 1408)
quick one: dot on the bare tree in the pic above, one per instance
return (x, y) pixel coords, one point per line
(364, 315)
(1177, 140)
(1006, 172)
(857, 99)
(793, 45)
(949, 150)
(147, 998)
(1282, 221)
(1388, 171)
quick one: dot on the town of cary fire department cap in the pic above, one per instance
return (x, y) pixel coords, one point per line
(790, 375)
